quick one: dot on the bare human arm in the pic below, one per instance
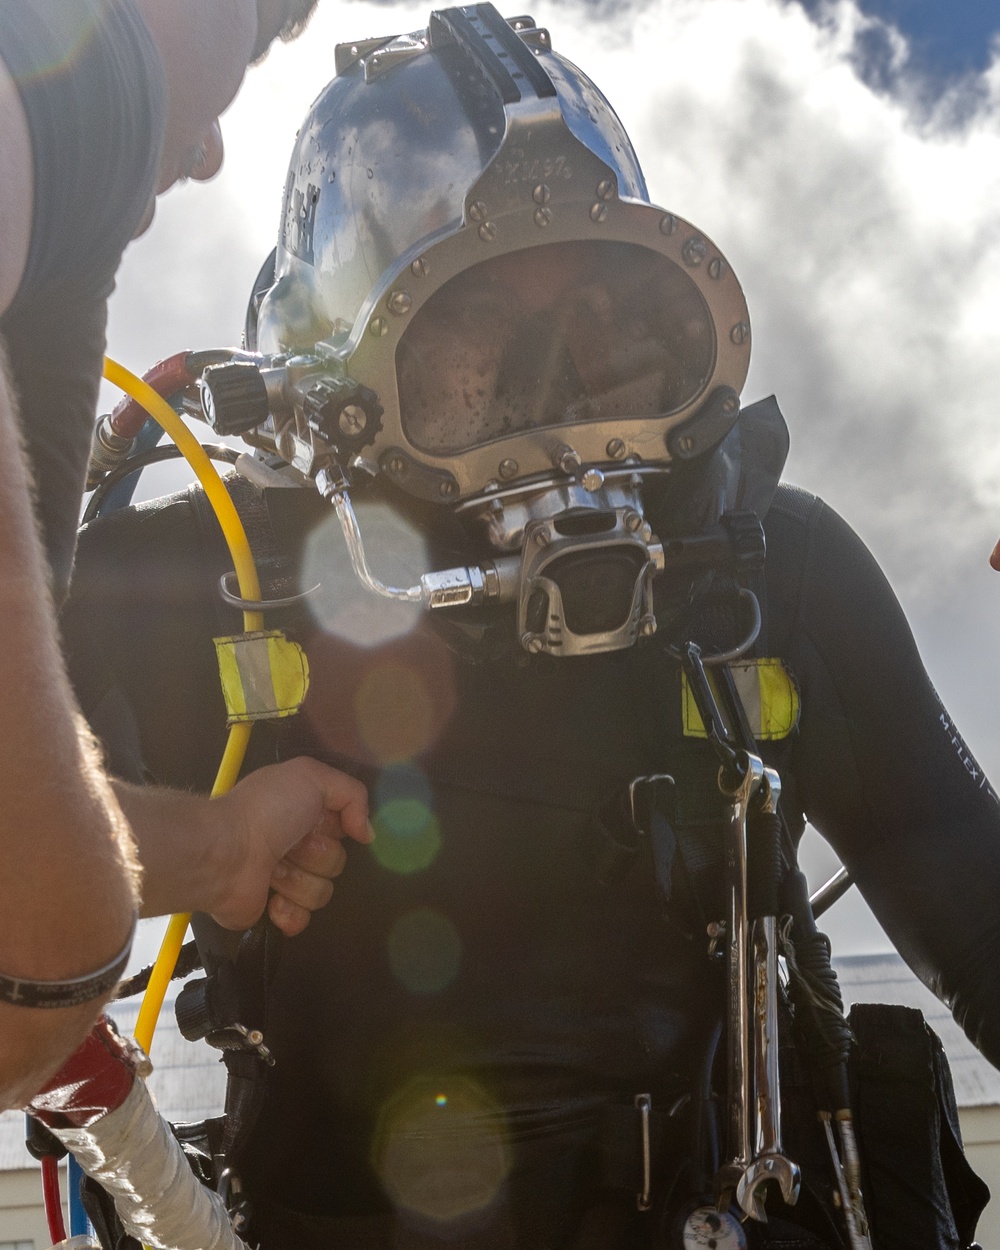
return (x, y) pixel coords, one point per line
(68, 876)
(68, 881)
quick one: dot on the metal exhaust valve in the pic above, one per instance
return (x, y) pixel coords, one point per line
(769, 1163)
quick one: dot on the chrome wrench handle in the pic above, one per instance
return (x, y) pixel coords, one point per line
(739, 785)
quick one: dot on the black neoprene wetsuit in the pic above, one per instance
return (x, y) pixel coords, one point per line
(476, 999)
(94, 95)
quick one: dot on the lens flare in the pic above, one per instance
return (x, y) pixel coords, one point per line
(395, 711)
(397, 555)
(425, 951)
(442, 1149)
(407, 836)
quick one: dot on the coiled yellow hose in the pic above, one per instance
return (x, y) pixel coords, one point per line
(246, 576)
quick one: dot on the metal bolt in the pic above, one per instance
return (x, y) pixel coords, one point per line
(685, 443)
(395, 465)
(487, 232)
(400, 302)
(647, 626)
(694, 251)
(477, 211)
(616, 449)
(646, 531)
(352, 419)
(448, 488)
(543, 36)
(532, 643)
(567, 459)
(420, 267)
(541, 194)
(715, 929)
(378, 327)
(606, 189)
(592, 480)
(598, 212)
(730, 405)
(740, 333)
(376, 61)
(668, 224)
(542, 536)
(543, 216)
(716, 267)
(508, 468)
(255, 1037)
(632, 520)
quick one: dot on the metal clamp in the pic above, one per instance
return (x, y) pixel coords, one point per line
(259, 605)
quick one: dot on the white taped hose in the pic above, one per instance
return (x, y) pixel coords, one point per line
(133, 1154)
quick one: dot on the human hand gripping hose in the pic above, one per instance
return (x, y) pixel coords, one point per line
(98, 1105)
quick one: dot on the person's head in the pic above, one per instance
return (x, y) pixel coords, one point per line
(206, 46)
(501, 322)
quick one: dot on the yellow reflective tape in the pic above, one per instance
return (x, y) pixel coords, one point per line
(264, 675)
(767, 691)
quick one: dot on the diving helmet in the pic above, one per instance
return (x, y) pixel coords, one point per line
(473, 298)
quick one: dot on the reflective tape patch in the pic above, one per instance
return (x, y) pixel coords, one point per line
(264, 675)
(767, 691)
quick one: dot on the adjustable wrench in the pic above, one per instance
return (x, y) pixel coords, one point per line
(769, 1163)
(739, 784)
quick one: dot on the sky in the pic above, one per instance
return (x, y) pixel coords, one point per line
(847, 162)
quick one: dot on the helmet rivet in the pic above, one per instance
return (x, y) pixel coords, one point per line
(477, 211)
(400, 302)
(378, 326)
(592, 480)
(543, 36)
(716, 267)
(542, 536)
(694, 251)
(532, 643)
(616, 449)
(508, 468)
(685, 443)
(730, 405)
(543, 216)
(396, 465)
(447, 488)
(598, 212)
(668, 224)
(606, 189)
(541, 194)
(487, 232)
(352, 419)
(740, 333)
(420, 268)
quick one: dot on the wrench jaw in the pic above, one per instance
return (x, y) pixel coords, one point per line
(750, 1193)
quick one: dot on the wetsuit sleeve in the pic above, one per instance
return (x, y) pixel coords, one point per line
(94, 96)
(884, 774)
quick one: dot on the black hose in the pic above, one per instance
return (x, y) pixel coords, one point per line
(140, 461)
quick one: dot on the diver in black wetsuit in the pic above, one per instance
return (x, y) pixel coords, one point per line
(536, 392)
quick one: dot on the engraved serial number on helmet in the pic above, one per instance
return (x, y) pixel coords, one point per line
(530, 169)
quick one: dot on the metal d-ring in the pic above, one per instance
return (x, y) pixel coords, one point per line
(259, 605)
(727, 657)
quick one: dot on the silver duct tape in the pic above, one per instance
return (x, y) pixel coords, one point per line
(134, 1155)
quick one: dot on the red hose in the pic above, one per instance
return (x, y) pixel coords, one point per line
(53, 1199)
(167, 377)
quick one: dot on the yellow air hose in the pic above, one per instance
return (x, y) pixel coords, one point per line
(246, 576)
